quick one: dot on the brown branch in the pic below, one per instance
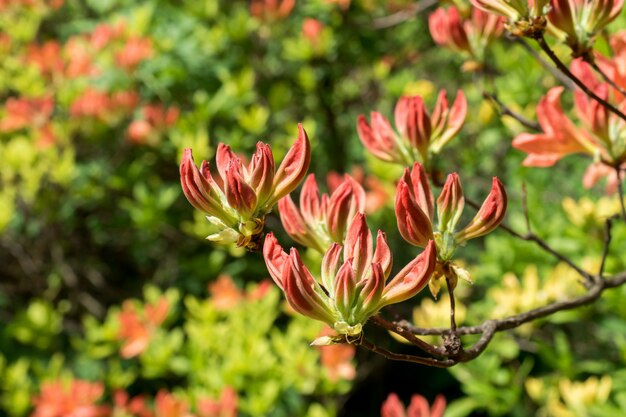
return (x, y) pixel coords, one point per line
(488, 328)
(403, 15)
(531, 237)
(408, 335)
(620, 191)
(504, 110)
(607, 243)
(563, 68)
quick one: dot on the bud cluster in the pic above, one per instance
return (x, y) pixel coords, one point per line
(238, 203)
(420, 134)
(354, 276)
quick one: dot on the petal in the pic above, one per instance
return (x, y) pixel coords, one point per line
(450, 204)
(261, 172)
(330, 265)
(275, 258)
(198, 187)
(372, 291)
(294, 166)
(413, 224)
(489, 216)
(344, 203)
(310, 201)
(239, 195)
(345, 294)
(412, 278)
(358, 245)
(382, 254)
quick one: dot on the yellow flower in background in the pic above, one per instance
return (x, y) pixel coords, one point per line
(586, 212)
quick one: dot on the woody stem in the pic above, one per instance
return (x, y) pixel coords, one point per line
(563, 68)
(606, 78)
(449, 284)
(620, 191)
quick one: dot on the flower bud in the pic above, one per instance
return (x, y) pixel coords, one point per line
(450, 204)
(489, 216)
(413, 207)
(413, 123)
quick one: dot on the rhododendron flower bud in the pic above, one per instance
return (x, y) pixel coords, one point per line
(582, 20)
(468, 36)
(414, 206)
(353, 284)
(419, 134)
(414, 212)
(446, 28)
(246, 193)
(489, 216)
(450, 204)
(321, 220)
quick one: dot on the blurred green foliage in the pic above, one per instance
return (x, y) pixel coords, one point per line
(93, 224)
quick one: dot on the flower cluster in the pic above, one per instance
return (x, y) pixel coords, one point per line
(470, 36)
(353, 283)
(420, 135)
(415, 213)
(393, 407)
(238, 203)
(524, 18)
(601, 135)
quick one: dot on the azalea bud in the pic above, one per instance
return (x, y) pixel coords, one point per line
(447, 121)
(450, 204)
(446, 28)
(413, 206)
(320, 221)
(379, 138)
(246, 193)
(353, 278)
(489, 216)
(413, 123)
(412, 278)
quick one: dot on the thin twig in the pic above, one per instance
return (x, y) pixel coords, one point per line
(563, 68)
(408, 335)
(443, 363)
(531, 237)
(620, 191)
(404, 14)
(504, 110)
(605, 77)
(449, 284)
(607, 243)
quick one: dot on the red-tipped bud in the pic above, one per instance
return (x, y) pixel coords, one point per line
(310, 204)
(358, 246)
(489, 216)
(413, 123)
(447, 121)
(413, 223)
(261, 172)
(199, 187)
(347, 200)
(294, 166)
(275, 258)
(295, 225)
(372, 292)
(302, 291)
(450, 204)
(447, 29)
(345, 285)
(379, 138)
(412, 278)
(239, 195)
(330, 265)
(382, 254)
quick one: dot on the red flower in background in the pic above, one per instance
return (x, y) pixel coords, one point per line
(156, 120)
(74, 398)
(167, 405)
(337, 359)
(226, 406)
(135, 51)
(271, 9)
(136, 329)
(393, 407)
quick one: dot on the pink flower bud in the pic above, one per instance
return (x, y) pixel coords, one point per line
(489, 216)
(446, 28)
(344, 203)
(199, 187)
(239, 195)
(261, 172)
(450, 204)
(413, 123)
(275, 258)
(412, 278)
(379, 138)
(294, 166)
(414, 207)
(447, 121)
(358, 246)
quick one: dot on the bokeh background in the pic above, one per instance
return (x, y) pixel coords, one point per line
(110, 297)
